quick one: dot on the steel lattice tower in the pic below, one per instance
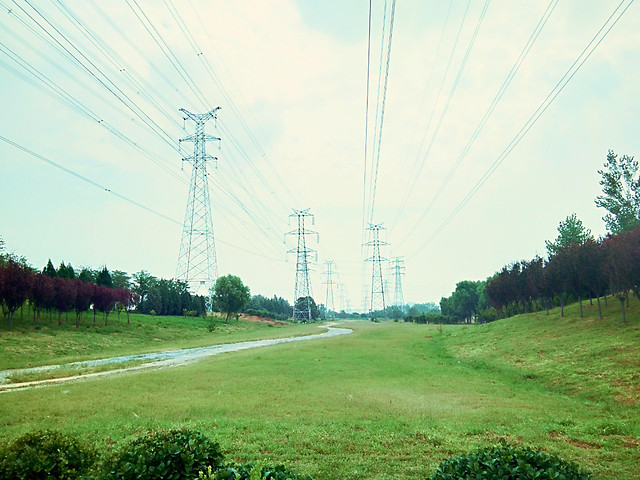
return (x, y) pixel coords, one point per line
(397, 270)
(303, 286)
(377, 284)
(197, 264)
(329, 303)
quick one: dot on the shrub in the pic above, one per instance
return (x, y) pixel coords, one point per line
(170, 455)
(508, 462)
(45, 455)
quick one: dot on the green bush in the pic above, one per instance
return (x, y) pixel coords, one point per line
(507, 462)
(178, 454)
(45, 455)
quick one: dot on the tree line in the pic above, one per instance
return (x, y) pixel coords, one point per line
(63, 290)
(578, 266)
(589, 270)
(46, 291)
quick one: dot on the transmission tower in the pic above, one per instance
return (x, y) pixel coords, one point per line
(377, 284)
(365, 298)
(397, 270)
(329, 300)
(302, 309)
(197, 263)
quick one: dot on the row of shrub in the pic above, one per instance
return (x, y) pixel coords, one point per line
(184, 454)
(267, 314)
(178, 454)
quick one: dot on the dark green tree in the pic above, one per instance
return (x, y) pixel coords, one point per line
(301, 304)
(49, 270)
(230, 295)
(120, 279)
(66, 271)
(103, 278)
(87, 275)
(621, 193)
(570, 231)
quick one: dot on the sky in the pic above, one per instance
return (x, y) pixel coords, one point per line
(486, 130)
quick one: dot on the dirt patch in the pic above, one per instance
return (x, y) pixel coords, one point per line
(254, 319)
(575, 443)
(630, 442)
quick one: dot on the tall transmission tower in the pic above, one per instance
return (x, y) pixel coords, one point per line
(329, 303)
(377, 302)
(397, 270)
(197, 264)
(302, 309)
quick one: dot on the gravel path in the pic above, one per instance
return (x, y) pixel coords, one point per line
(150, 360)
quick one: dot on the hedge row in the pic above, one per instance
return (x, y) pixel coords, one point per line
(184, 454)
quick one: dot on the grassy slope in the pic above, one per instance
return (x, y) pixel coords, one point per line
(388, 402)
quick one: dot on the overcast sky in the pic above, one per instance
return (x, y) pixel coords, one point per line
(84, 82)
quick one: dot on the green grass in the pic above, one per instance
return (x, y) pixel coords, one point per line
(389, 401)
(27, 345)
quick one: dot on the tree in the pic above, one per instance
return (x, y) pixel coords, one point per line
(49, 270)
(65, 296)
(595, 278)
(15, 287)
(618, 268)
(84, 296)
(571, 230)
(142, 282)
(230, 295)
(103, 301)
(87, 275)
(621, 193)
(120, 279)
(303, 302)
(42, 293)
(66, 271)
(103, 278)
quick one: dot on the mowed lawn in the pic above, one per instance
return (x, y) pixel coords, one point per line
(390, 401)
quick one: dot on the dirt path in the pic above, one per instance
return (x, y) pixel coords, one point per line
(149, 360)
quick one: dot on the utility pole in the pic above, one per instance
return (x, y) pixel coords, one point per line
(197, 264)
(302, 288)
(377, 284)
(329, 303)
(397, 270)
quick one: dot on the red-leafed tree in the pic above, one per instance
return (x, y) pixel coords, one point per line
(103, 301)
(131, 303)
(534, 279)
(555, 274)
(42, 294)
(618, 267)
(592, 255)
(65, 296)
(15, 287)
(84, 296)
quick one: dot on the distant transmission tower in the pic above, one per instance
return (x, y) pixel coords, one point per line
(365, 298)
(397, 270)
(302, 309)
(197, 264)
(329, 303)
(377, 285)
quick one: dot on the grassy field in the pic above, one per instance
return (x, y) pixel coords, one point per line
(390, 401)
(27, 345)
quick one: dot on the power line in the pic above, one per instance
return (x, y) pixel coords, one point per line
(384, 99)
(555, 91)
(120, 196)
(494, 103)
